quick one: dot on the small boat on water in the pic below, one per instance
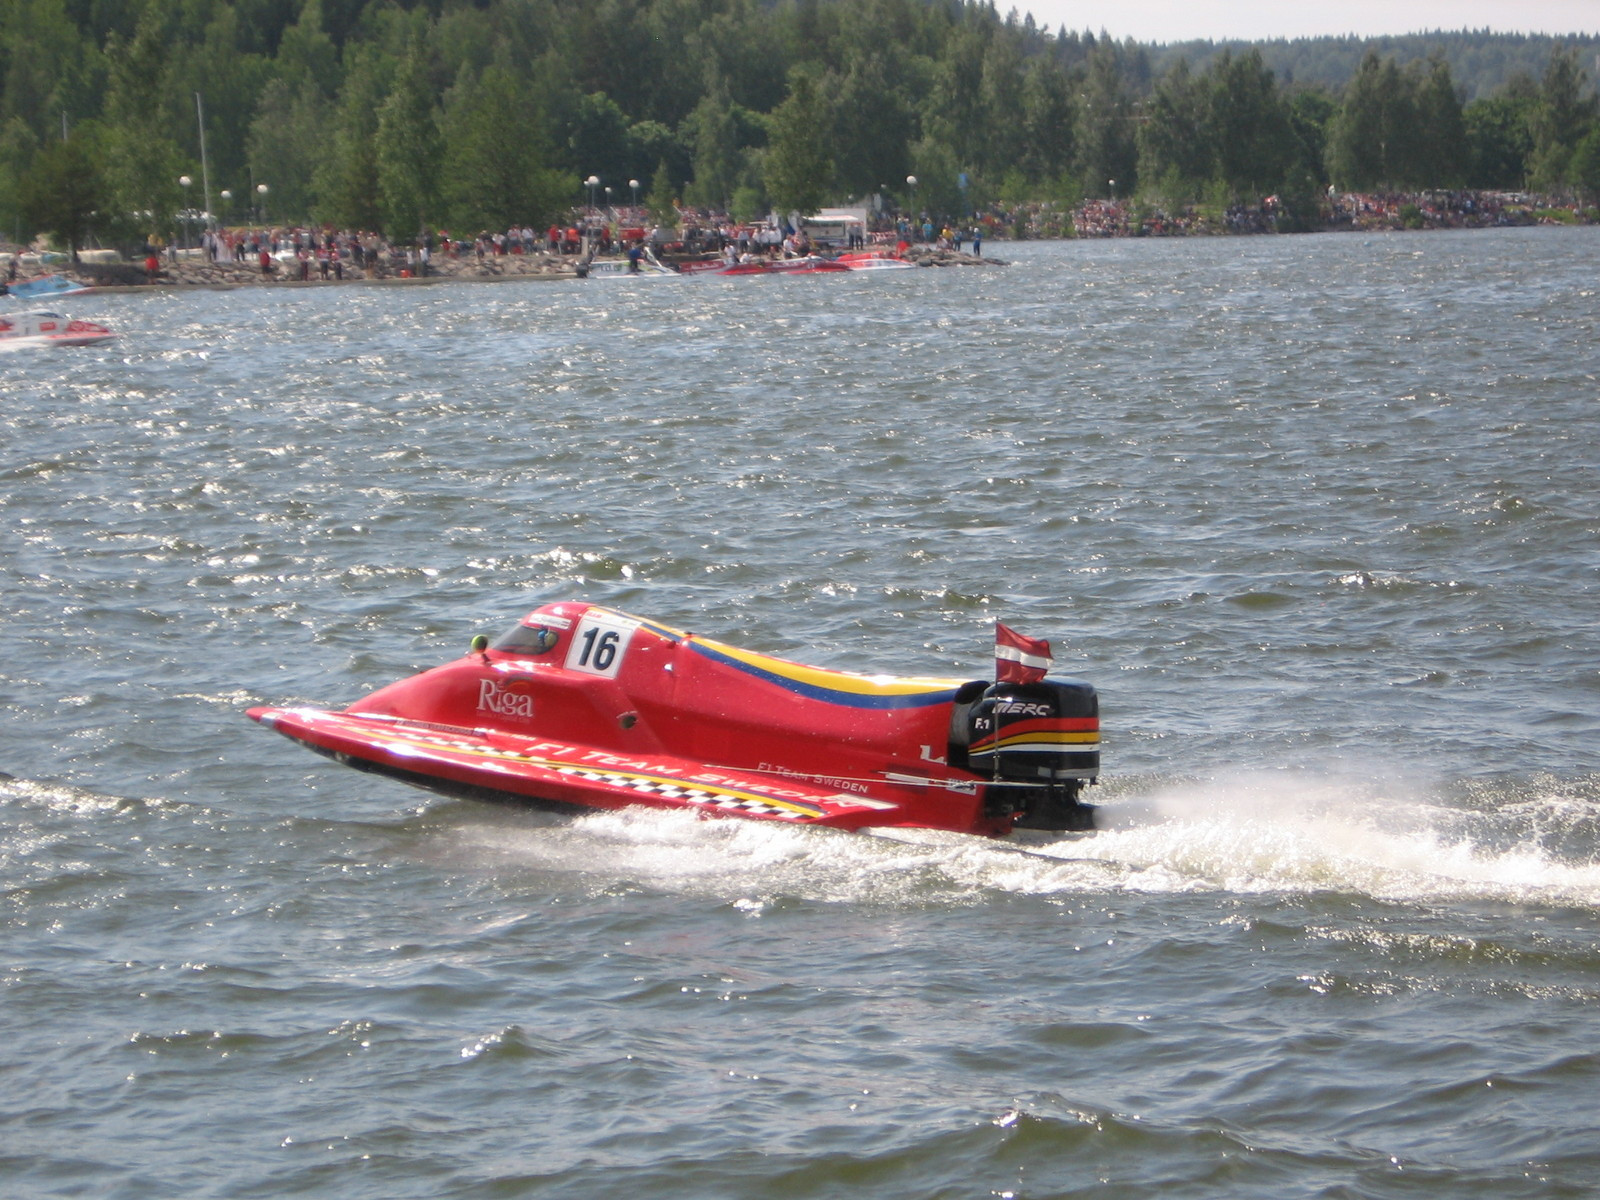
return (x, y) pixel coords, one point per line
(647, 265)
(581, 707)
(872, 260)
(811, 264)
(46, 287)
(39, 328)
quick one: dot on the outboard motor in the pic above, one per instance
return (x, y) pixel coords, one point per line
(1038, 743)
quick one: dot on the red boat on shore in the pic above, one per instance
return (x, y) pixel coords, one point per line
(811, 264)
(874, 260)
(583, 707)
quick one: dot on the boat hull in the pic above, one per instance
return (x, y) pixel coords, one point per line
(558, 776)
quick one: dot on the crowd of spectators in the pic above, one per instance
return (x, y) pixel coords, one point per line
(1440, 209)
(307, 252)
(1335, 211)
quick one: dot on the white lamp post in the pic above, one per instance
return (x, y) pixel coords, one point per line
(183, 217)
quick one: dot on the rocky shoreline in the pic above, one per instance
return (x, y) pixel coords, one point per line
(192, 270)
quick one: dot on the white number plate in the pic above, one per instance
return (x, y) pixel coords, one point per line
(599, 644)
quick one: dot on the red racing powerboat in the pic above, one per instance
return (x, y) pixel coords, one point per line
(583, 707)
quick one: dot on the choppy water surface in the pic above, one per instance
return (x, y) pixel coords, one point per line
(1318, 515)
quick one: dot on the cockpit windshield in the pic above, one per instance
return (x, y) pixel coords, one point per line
(527, 639)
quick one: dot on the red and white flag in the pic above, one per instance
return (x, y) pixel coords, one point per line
(1019, 659)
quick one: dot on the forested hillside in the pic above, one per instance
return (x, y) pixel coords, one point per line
(1481, 62)
(402, 114)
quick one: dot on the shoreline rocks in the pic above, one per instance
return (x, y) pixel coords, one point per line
(191, 270)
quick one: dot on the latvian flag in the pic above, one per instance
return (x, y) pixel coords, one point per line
(1019, 659)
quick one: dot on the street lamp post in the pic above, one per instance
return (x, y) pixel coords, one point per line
(227, 203)
(183, 217)
(634, 184)
(911, 184)
(1112, 184)
(594, 182)
(608, 198)
(261, 192)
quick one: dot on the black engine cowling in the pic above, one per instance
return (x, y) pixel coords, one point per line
(1039, 744)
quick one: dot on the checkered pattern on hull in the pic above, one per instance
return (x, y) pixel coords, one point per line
(721, 799)
(726, 801)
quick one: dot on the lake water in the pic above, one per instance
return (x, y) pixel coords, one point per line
(1320, 516)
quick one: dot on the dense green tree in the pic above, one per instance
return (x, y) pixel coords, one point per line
(288, 139)
(1175, 159)
(465, 42)
(1107, 151)
(737, 38)
(649, 143)
(1311, 111)
(142, 162)
(955, 109)
(1560, 120)
(670, 37)
(1247, 125)
(1374, 140)
(306, 54)
(408, 151)
(872, 123)
(610, 51)
(496, 171)
(345, 178)
(230, 83)
(1586, 166)
(598, 141)
(797, 168)
(64, 191)
(999, 141)
(1048, 121)
(48, 70)
(1443, 154)
(712, 135)
(18, 145)
(938, 175)
(662, 200)
(1356, 158)
(1500, 136)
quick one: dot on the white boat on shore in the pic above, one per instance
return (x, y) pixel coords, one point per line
(646, 266)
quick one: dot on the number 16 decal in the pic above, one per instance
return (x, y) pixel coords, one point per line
(598, 644)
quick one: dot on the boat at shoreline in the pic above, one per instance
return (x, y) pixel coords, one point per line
(582, 707)
(46, 287)
(641, 263)
(755, 264)
(36, 327)
(875, 260)
(621, 268)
